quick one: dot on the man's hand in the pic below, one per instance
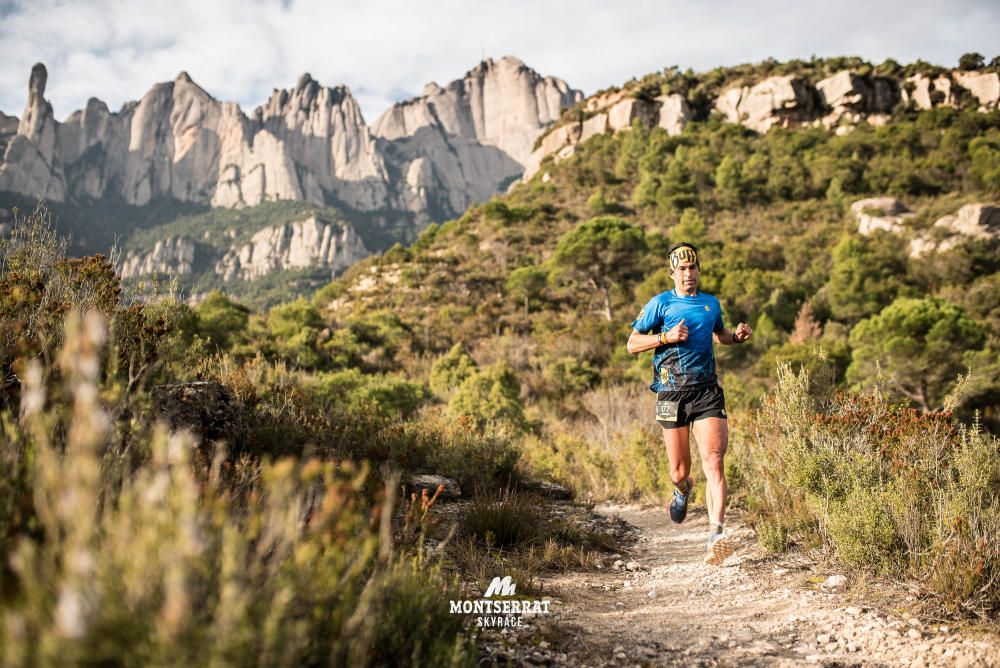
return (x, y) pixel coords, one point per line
(677, 333)
(742, 333)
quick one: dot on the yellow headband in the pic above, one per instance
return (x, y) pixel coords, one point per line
(683, 254)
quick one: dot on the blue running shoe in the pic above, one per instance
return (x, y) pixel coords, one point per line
(679, 504)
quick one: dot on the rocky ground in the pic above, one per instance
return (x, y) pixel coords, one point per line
(660, 605)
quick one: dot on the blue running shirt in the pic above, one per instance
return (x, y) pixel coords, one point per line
(688, 364)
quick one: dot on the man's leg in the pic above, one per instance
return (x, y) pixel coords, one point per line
(679, 454)
(712, 434)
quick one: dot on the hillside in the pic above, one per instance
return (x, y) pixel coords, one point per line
(782, 247)
(433, 156)
(320, 480)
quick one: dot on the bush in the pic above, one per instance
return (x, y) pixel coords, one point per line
(890, 489)
(492, 394)
(503, 520)
(391, 396)
(451, 370)
(181, 562)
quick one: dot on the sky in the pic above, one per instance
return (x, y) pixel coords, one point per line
(386, 51)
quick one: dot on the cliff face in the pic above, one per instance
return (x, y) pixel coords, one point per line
(430, 157)
(299, 245)
(839, 102)
(303, 244)
(502, 104)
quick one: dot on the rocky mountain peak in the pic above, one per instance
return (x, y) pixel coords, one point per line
(452, 146)
(500, 103)
(36, 82)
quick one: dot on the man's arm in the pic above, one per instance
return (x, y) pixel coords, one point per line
(729, 337)
(638, 343)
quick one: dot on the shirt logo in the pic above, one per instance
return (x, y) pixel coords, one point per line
(707, 309)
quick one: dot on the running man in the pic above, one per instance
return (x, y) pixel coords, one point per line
(680, 325)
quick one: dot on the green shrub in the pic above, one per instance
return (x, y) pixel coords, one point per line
(451, 370)
(491, 394)
(504, 519)
(181, 562)
(391, 396)
(772, 536)
(222, 321)
(891, 489)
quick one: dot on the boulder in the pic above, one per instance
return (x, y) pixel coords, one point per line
(784, 101)
(208, 409)
(853, 98)
(927, 93)
(880, 213)
(984, 86)
(622, 114)
(972, 221)
(548, 489)
(450, 489)
(674, 113)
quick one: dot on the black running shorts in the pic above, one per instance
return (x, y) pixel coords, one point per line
(681, 408)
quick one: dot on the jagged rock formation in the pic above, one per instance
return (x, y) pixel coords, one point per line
(30, 165)
(474, 134)
(975, 221)
(839, 102)
(610, 112)
(880, 213)
(430, 157)
(173, 255)
(299, 245)
(502, 104)
(785, 101)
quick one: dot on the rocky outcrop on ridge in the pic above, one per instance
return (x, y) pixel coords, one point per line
(430, 157)
(984, 86)
(888, 214)
(299, 245)
(839, 102)
(777, 101)
(173, 255)
(610, 112)
(880, 213)
(975, 221)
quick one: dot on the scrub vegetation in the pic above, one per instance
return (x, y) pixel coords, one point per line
(281, 530)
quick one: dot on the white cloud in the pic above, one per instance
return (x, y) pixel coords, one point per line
(240, 50)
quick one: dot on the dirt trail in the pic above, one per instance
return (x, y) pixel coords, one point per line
(755, 610)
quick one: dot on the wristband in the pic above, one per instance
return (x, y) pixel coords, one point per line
(663, 339)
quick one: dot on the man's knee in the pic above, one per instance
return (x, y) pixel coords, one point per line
(713, 462)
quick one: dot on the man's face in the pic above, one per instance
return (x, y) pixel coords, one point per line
(686, 275)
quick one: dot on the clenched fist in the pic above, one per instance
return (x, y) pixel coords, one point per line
(677, 333)
(742, 333)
